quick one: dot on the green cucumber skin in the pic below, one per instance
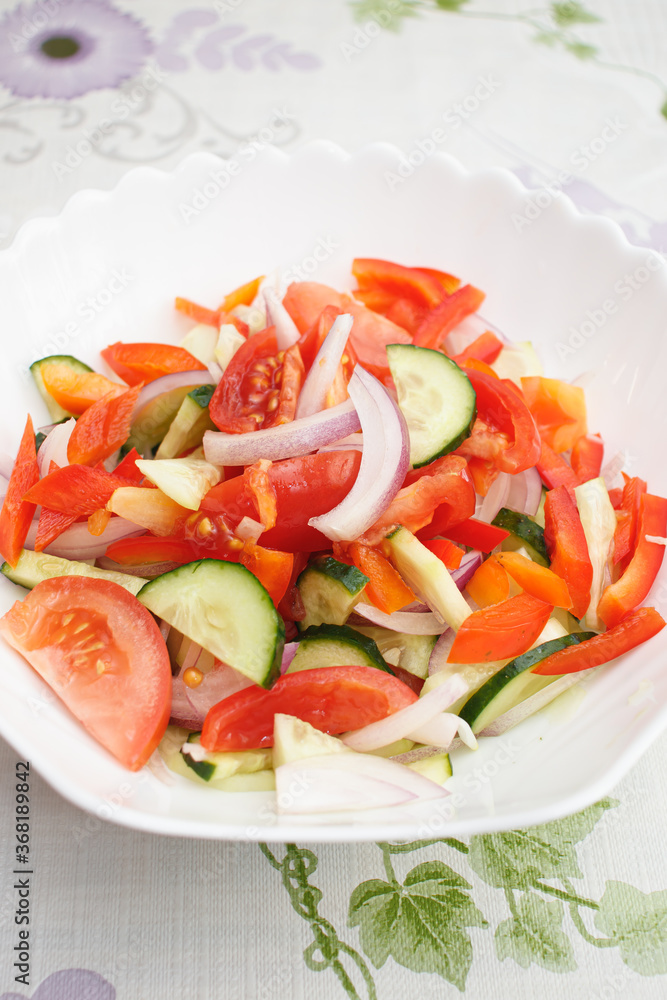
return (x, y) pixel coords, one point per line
(344, 633)
(56, 411)
(352, 579)
(486, 694)
(202, 395)
(203, 768)
(525, 529)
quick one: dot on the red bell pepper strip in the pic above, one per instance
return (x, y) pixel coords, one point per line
(566, 544)
(554, 470)
(399, 281)
(332, 699)
(442, 319)
(637, 627)
(485, 348)
(450, 554)
(200, 314)
(625, 536)
(405, 313)
(142, 363)
(17, 512)
(147, 549)
(505, 430)
(51, 524)
(127, 468)
(442, 488)
(449, 282)
(476, 534)
(536, 580)
(501, 631)
(103, 428)
(75, 489)
(586, 457)
(620, 598)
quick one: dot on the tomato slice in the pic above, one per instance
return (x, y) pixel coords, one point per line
(304, 487)
(136, 363)
(17, 512)
(505, 431)
(101, 652)
(332, 699)
(501, 631)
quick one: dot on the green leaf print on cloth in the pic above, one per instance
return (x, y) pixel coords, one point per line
(422, 920)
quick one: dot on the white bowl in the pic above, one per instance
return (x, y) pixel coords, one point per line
(108, 267)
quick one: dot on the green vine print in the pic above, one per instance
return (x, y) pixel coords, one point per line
(553, 24)
(421, 920)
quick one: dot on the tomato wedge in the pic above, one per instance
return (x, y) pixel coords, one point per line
(332, 699)
(501, 631)
(136, 363)
(537, 580)
(17, 512)
(101, 652)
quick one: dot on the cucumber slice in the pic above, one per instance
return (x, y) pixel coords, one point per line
(224, 608)
(294, 739)
(56, 412)
(436, 399)
(154, 419)
(335, 645)
(411, 652)
(188, 426)
(212, 767)
(514, 683)
(33, 567)
(329, 590)
(526, 530)
(241, 781)
(517, 361)
(438, 767)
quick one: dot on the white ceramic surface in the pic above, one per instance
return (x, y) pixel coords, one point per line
(108, 268)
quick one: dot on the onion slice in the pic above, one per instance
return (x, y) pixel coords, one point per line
(471, 561)
(442, 730)
(287, 332)
(76, 542)
(385, 459)
(54, 447)
(319, 380)
(409, 622)
(289, 652)
(177, 380)
(406, 720)
(495, 498)
(344, 781)
(299, 437)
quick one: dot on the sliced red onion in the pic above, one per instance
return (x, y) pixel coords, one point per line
(495, 498)
(342, 781)
(440, 652)
(353, 442)
(289, 652)
(536, 702)
(54, 447)
(493, 329)
(215, 372)
(299, 437)
(319, 380)
(463, 334)
(166, 383)
(287, 332)
(471, 561)
(76, 542)
(406, 720)
(6, 465)
(441, 730)
(612, 470)
(525, 492)
(148, 570)
(385, 460)
(219, 683)
(410, 622)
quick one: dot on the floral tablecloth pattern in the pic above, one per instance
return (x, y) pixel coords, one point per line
(571, 97)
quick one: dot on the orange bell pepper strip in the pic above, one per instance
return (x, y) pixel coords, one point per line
(567, 547)
(448, 281)
(625, 536)
(102, 428)
(442, 319)
(450, 553)
(637, 627)
(501, 631)
(244, 295)
(485, 348)
(272, 568)
(483, 473)
(385, 589)
(142, 363)
(559, 410)
(76, 391)
(586, 457)
(17, 512)
(537, 580)
(489, 584)
(262, 492)
(554, 470)
(620, 598)
(200, 314)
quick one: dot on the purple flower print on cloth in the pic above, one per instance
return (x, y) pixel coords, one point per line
(70, 984)
(68, 48)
